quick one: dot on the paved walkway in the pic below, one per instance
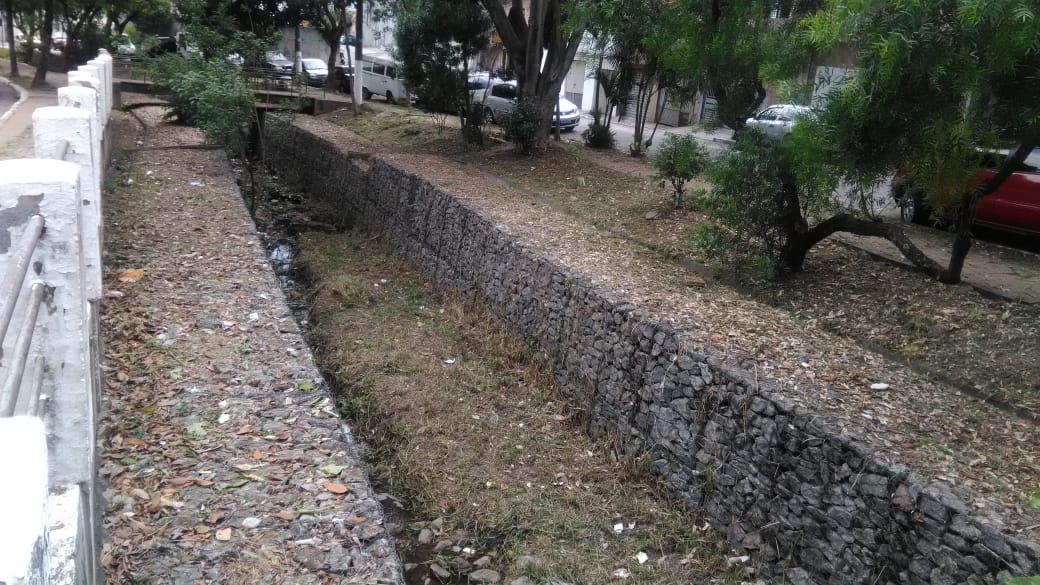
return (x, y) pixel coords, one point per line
(16, 131)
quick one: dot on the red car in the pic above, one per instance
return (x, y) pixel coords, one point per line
(1014, 207)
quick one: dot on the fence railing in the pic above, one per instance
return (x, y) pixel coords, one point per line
(50, 265)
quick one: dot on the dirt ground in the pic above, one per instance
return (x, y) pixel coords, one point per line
(826, 335)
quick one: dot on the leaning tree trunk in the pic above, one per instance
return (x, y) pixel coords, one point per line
(966, 212)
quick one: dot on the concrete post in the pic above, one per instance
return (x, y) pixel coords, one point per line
(95, 72)
(51, 125)
(84, 98)
(51, 188)
(104, 61)
(23, 501)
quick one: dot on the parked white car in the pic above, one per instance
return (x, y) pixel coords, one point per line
(778, 119)
(501, 100)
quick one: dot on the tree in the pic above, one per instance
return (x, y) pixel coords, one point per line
(733, 47)
(541, 43)
(120, 13)
(634, 39)
(937, 84)
(436, 39)
(12, 46)
(46, 34)
(333, 24)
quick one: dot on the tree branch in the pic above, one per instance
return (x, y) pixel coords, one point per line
(891, 232)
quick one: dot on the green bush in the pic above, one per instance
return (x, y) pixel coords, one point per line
(598, 134)
(680, 159)
(209, 94)
(764, 193)
(522, 125)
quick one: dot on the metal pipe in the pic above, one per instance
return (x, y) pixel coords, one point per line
(9, 391)
(61, 149)
(12, 281)
(37, 385)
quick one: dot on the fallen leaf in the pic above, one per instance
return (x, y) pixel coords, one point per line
(131, 275)
(336, 488)
(285, 515)
(332, 469)
(258, 454)
(224, 534)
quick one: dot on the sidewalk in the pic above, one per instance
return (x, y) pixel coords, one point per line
(16, 139)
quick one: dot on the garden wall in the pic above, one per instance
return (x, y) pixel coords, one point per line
(805, 500)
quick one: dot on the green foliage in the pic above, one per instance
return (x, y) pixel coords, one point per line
(732, 48)
(680, 159)
(934, 82)
(1034, 501)
(765, 192)
(1023, 581)
(435, 41)
(598, 135)
(207, 93)
(522, 125)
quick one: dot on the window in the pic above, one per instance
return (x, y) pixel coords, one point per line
(391, 72)
(769, 114)
(367, 68)
(504, 91)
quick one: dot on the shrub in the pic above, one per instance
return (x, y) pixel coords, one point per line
(522, 125)
(763, 196)
(598, 134)
(209, 94)
(680, 159)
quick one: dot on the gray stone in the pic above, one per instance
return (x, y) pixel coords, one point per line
(484, 576)
(425, 536)
(440, 572)
(522, 581)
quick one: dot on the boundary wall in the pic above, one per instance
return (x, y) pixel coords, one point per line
(50, 372)
(807, 501)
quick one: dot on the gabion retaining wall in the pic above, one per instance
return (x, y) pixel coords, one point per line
(806, 500)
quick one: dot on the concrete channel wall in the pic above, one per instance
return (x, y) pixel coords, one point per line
(805, 500)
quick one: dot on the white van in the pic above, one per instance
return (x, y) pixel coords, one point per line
(380, 76)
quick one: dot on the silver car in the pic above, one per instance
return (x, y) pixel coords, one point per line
(778, 119)
(501, 100)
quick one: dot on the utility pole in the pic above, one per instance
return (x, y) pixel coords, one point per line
(358, 56)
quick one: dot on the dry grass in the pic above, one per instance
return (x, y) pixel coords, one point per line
(483, 440)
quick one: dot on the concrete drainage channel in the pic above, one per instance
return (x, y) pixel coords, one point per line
(805, 499)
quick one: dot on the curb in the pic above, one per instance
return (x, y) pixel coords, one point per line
(23, 94)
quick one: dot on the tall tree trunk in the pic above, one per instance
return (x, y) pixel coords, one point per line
(40, 79)
(12, 45)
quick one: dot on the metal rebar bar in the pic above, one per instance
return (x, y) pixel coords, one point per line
(33, 408)
(12, 280)
(9, 391)
(61, 149)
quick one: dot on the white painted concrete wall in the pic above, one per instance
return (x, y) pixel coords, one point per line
(53, 539)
